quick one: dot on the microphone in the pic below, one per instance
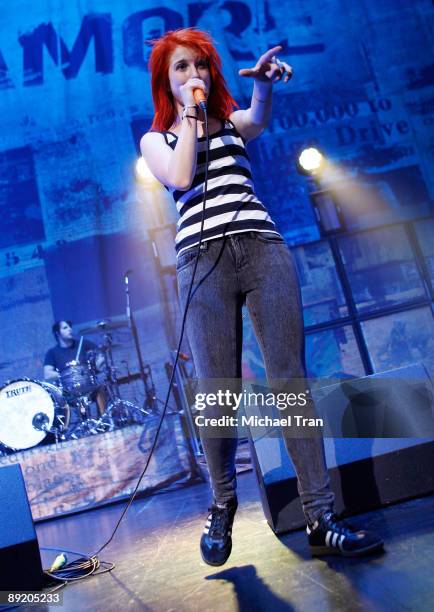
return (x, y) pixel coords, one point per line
(199, 98)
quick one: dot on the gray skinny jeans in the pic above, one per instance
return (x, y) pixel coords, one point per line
(256, 268)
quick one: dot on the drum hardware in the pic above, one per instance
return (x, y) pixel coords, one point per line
(186, 409)
(134, 376)
(114, 345)
(85, 425)
(104, 325)
(124, 380)
(119, 412)
(150, 404)
(86, 428)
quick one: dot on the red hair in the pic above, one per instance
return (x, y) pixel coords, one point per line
(220, 103)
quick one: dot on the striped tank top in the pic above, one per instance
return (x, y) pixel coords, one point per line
(232, 205)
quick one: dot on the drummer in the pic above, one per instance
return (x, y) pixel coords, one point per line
(58, 357)
(65, 351)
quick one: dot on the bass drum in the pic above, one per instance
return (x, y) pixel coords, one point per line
(29, 411)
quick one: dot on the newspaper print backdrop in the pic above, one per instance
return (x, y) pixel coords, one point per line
(75, 97)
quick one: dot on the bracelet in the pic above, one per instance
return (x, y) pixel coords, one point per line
(185, 111)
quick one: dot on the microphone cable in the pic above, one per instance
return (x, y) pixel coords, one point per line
(178, 350)
(87, 565)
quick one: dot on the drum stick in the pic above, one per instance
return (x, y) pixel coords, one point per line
(79, 348)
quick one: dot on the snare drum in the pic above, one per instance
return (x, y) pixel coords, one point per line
(78, 379)
(29, 411)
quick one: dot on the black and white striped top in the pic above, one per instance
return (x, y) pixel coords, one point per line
(232, 205)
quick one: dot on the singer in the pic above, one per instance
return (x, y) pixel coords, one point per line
(243, 259)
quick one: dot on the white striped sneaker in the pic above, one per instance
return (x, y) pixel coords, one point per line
(330, 535)
(216, 540)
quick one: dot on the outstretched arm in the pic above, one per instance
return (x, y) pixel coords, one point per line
(252, 121)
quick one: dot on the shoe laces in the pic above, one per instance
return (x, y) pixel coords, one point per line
(220, 521)
(335, 523)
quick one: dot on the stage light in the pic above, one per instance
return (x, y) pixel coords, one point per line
(144, 175)
(310, 161)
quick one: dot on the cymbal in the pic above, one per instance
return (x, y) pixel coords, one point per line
(104, 325)
(105, 347)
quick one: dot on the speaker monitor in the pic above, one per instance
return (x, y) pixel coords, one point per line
(20, 561)
(365, 472)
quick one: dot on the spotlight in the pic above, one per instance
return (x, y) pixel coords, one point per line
(144, 175)
(310, 161)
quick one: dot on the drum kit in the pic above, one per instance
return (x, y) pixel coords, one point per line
(34, 411)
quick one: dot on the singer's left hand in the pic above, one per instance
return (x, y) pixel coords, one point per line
(268, 71)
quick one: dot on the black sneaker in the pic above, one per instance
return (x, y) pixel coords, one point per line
(330, 535)
(216, 540)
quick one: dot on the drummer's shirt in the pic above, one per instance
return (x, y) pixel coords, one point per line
(58, 356)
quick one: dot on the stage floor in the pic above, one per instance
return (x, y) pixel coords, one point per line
(158, 565)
